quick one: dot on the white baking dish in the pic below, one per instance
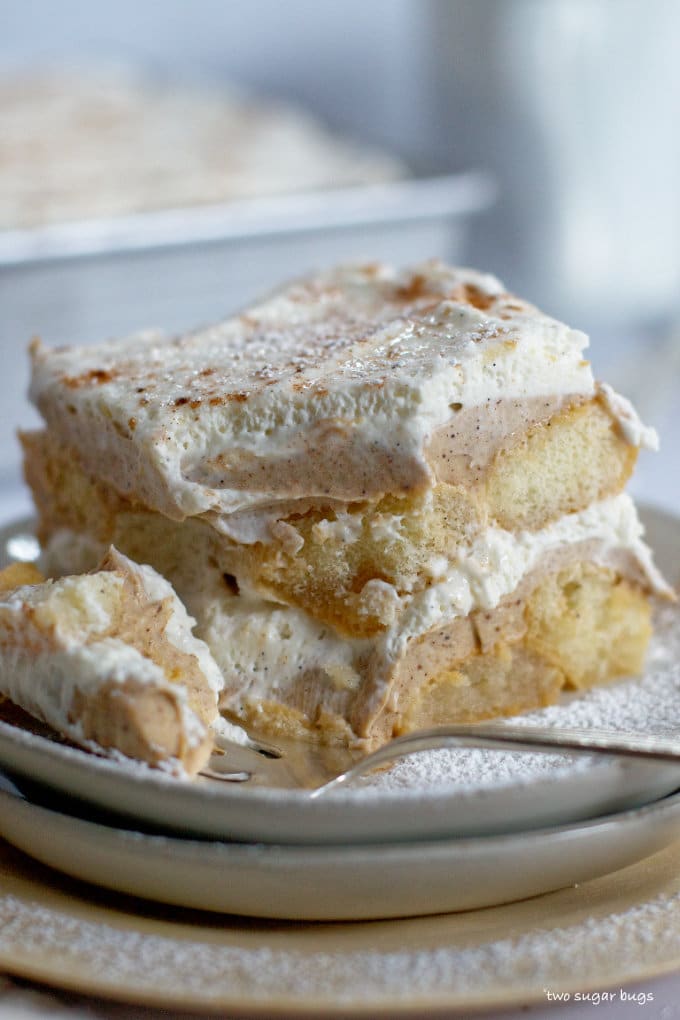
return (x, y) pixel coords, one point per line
(83, 282)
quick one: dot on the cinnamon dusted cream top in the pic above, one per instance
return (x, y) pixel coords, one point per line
(329, 389)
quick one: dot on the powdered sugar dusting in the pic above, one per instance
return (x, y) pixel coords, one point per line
(650, 704)
(610, 947)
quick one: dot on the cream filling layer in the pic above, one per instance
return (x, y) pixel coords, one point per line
(264, 649)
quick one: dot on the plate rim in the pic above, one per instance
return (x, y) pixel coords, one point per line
(398, 848)
(247, 880)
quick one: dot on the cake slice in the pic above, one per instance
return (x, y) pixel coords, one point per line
(390, 498)
(108, 659)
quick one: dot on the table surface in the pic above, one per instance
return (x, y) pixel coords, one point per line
(657, 481)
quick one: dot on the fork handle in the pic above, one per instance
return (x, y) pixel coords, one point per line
(502, 736)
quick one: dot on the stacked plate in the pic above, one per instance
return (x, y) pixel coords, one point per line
(440, 831)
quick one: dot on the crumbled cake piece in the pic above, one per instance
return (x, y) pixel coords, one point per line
(109, 660)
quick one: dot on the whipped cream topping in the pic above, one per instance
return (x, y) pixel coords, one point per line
(329, 389)
(632, 429)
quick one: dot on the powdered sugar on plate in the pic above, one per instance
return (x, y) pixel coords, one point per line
(413, 962)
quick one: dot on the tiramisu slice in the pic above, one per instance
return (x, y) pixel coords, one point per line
(389, 497)
(109, 660)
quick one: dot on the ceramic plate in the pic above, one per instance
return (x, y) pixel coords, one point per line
(607, 933)
(466, 793)
(336, 883)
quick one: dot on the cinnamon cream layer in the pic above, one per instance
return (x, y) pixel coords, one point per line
(584, 447)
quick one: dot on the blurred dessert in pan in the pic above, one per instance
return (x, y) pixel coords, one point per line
(77, 147)
(390, 498)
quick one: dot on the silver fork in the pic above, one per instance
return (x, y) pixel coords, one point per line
(514, 738)
(498, 736)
